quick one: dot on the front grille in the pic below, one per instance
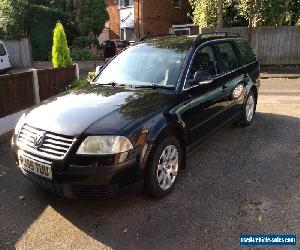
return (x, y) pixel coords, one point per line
(94, 192)
(50, 185)
(54, 146)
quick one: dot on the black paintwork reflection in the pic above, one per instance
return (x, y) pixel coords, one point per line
(143, 103)
(176, 43)
(105, 108)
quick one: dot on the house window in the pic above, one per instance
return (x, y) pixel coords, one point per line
(182, 31)
(176, 3)
(127, 34)
(126, 3)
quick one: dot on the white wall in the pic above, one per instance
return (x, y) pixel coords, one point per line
(9, 122)
(19, 52)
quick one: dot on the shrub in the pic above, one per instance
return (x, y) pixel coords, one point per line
(86, 42)
(78, 83)
(91, 76)
(87, 55)
(60, 50)
(81, 54)
(97, 56)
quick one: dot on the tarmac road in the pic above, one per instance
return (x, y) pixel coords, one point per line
(243, 180)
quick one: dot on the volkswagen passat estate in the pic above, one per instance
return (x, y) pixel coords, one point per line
(136, 122)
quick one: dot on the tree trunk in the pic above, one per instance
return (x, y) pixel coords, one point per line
(252, 10)
(219, 13)
(250, 26)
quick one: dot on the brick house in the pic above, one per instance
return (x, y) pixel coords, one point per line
(132, 19)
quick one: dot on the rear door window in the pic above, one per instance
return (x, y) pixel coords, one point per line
(228, 56)
(246, 51)
(2, 50)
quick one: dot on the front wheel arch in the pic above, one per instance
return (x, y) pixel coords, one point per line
(254, 89)
(178, 132)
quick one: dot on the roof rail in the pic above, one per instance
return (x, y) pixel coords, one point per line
(153, 36)
(216, 33)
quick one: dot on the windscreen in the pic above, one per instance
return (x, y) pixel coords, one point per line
(144, 64)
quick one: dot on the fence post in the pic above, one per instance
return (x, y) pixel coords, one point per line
(76, 71)
(36, 88)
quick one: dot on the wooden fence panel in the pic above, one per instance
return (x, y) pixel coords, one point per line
(16, 93)
(54, 81)
(273, 45)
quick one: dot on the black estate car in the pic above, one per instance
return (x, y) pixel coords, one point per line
(137, 121)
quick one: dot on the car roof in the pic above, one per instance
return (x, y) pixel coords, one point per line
(187, 41)
(169, 42)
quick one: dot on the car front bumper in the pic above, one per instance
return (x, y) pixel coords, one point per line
(89, 180)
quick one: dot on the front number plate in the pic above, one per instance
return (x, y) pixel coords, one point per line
(33, 166)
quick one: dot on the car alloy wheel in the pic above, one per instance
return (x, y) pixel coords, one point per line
(250, 108)
(164, 165)
(167, 167)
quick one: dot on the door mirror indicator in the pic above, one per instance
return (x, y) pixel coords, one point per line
(201, 77)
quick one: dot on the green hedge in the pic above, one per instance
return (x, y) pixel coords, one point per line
(86, 42)
(41, 22)
(87, 55)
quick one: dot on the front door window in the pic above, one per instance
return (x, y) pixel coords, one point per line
(206, 60)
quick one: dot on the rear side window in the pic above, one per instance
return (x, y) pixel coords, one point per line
(246, 51)
(228, 56)
(2, 50)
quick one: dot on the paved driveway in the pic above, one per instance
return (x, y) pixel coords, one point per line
(241, 181)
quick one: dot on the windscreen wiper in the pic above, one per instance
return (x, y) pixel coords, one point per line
(152, 86)
(114, 84)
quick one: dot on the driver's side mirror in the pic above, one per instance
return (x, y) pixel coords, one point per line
(98, 69)
(201, 77)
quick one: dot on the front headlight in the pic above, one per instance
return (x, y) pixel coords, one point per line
(103, 145)
(20, 123)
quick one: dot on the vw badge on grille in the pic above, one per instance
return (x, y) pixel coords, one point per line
(39, 139)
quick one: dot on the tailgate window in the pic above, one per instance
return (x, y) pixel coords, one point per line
(246, 51)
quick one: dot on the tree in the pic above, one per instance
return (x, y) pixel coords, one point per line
(291, 15)
(270, 12)
(264, 12)
(12, 15)
(92, 16)
(232, 15)
(251, 13)
(204, 13)
(210, 13)
(60, 50)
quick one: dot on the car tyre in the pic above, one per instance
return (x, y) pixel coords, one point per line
(163, 167)
(248, 111)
